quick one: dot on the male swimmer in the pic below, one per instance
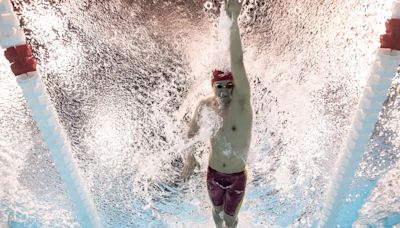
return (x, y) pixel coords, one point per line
(226, 177)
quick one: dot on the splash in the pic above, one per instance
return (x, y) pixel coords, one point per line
(125, 76)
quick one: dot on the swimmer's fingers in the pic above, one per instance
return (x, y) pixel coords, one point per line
(188, 169)
(238, 4)
(233, 8)
(186, 176)
(226, 7)
(185, 173)
(233, 3)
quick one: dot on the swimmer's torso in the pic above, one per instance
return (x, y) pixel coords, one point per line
(230, 144)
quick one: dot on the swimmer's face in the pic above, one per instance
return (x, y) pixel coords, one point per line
(223, 91)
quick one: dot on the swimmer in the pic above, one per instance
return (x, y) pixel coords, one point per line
(226, 177)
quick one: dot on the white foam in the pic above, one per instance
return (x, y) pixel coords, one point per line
(396, 10)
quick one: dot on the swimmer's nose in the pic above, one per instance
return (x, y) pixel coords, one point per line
(224, 93)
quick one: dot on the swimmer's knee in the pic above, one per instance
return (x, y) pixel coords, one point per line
(218, 209)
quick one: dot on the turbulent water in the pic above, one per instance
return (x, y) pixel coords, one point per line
(125, 77)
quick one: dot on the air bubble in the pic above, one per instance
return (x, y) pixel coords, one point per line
(208, 5)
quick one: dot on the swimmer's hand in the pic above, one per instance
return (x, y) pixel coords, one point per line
(189, 166)
(233, 7)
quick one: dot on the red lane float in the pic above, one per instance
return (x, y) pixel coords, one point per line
(21, 59)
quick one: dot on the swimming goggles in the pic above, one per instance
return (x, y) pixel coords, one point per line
(220, 86)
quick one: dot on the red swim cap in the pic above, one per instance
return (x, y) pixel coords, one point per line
(218, 75)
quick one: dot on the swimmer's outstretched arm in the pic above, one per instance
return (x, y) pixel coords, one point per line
(190, 161)
(242, 85)
(194, 126)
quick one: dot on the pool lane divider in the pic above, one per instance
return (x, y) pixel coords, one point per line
(383, 70)
(23, 65)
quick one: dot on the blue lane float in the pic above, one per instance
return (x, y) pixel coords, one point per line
(358, 194)
(335, 211)
(33, 89)
(391, 221)
(17, 219)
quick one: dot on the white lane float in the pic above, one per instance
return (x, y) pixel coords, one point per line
(383, 71)
(23, 65)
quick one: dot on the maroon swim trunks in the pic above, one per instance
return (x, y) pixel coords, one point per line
(226, 189)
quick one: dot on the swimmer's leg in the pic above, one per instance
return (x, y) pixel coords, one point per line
(216, 215)
(233, 201)
(231, 221)
(216, 194)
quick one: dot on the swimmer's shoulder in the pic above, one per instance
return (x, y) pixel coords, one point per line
(207, 102)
